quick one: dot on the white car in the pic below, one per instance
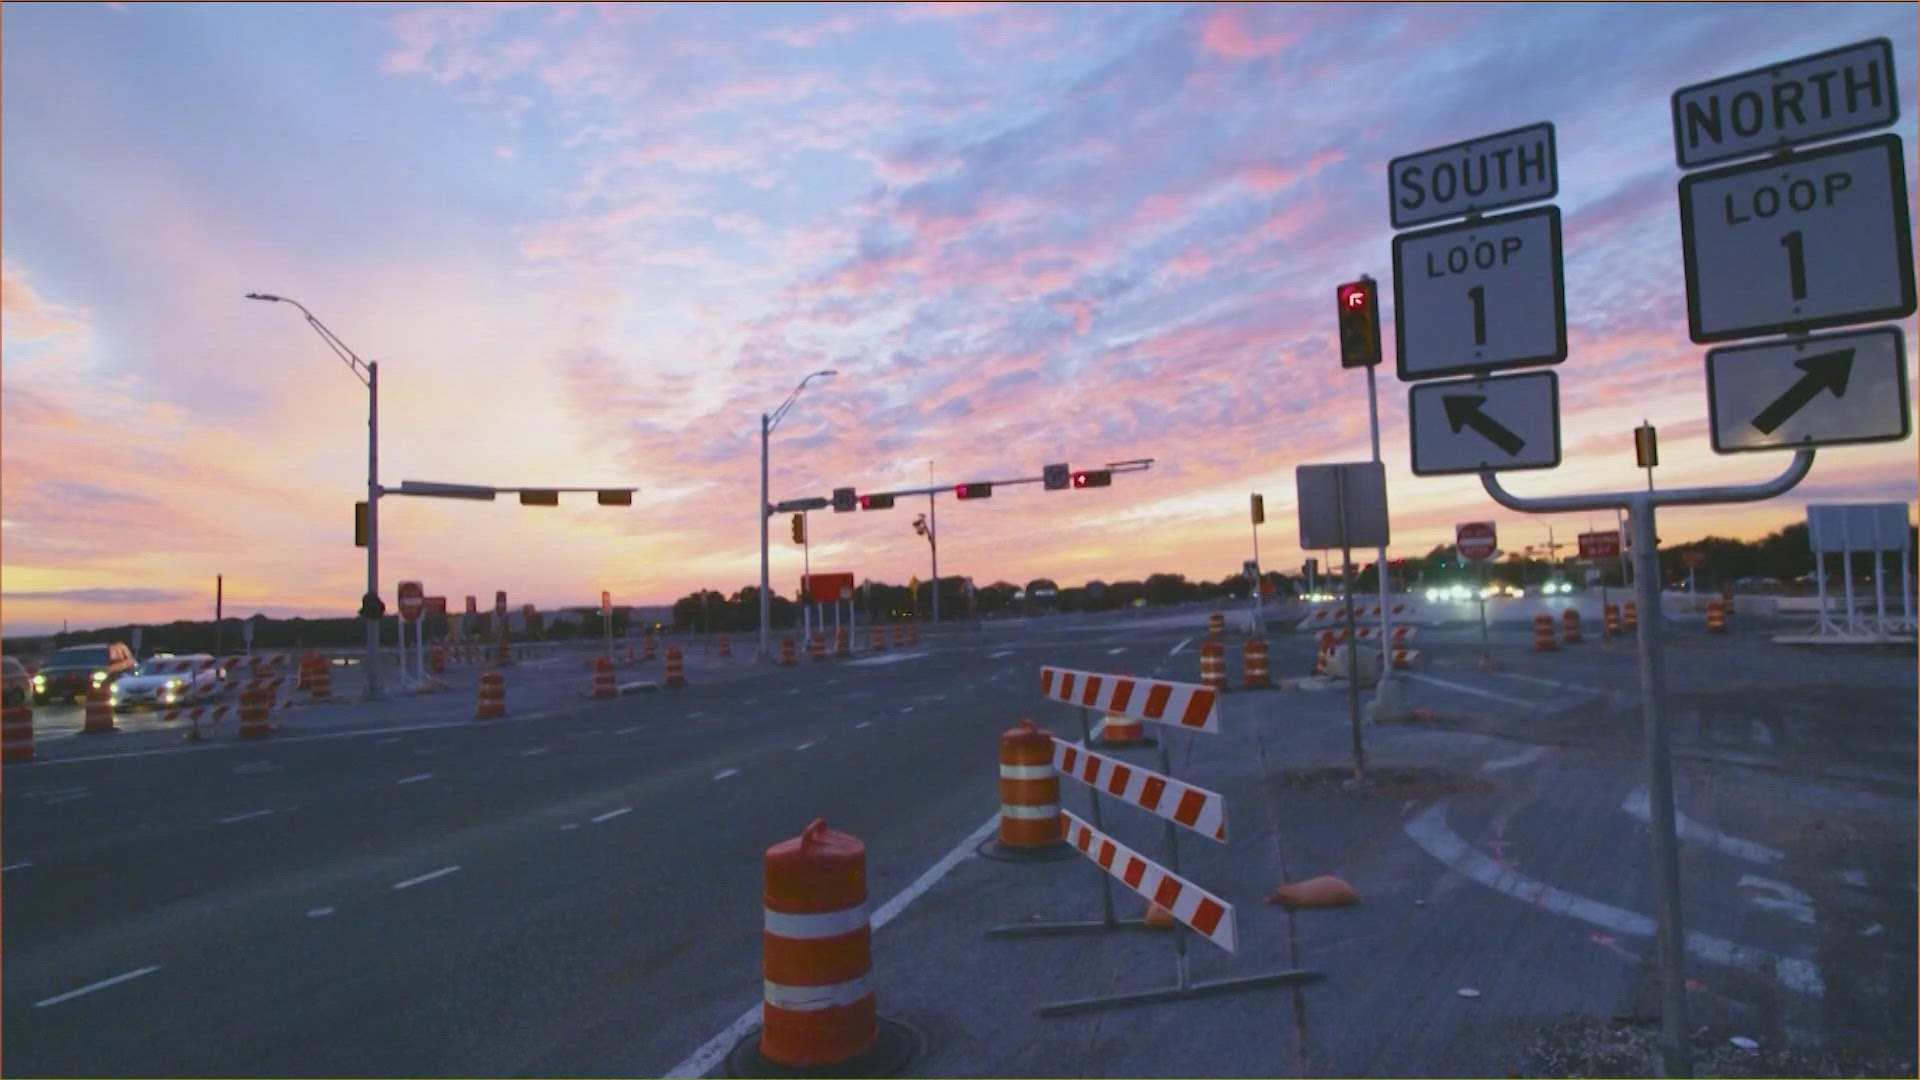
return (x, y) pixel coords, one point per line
(162, 682)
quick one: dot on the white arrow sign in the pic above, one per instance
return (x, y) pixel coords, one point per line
(1820, 239)
(1816, 391)
(1479, 296)
(1512, 422)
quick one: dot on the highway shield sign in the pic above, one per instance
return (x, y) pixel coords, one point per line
(1479, 296)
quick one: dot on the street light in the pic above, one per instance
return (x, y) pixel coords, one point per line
(371, 608)
(768, 421)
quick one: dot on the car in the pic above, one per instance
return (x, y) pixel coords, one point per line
(70, 672)
(165, 680)
(16, 686)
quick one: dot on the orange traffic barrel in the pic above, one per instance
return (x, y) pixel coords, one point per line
(1632, 615)
(841, 643)
(1254, 655)
(726, 646)
(676, 670)
(99, 715)
(320, 679)
(818, 1011)
(1329, 640)
(16, 734)
(646, 647)
(501, 656)
(1570, 627)
(1216, 624)
(879, 639)
(899, 637)
(1611, 618)
(1404, 657)
(787, 657)
(1030, 823)
(1213, 665)
(817, 647)
(1543, 633)
(1119, 732)
(603, 686)
(304, 672)
(493, 696)
(256, 713)
(1716, 618)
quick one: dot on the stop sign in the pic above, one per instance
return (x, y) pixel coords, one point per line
(1476, 540)
(412, 599)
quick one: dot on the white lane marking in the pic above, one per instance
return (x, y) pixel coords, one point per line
(1641, 807)
(1463, 688)
(1786, 899)
(885, 658)
(628, 730)
(319, 912)
(69, 798)
(749, 701)
(101, 985)
(695, 715)
(535, 750)
(1551, 684)
(1175, 651)
(416, 778)
(283, 740)
(999, 655)
(864, 723)
(1430, 831)
(1857, 878)
(830, 682)
(1524, 757)
(804, 745)
(254, 768)
(569, 825)
(385, 741)
(931, 698)
(243, 817)
(724, 773)
(411, 882)
(16, 866)
(704, 1059)
(1762, 734)
(611, 814)
(1779, 888)
(1800, 913)
(793, 691)
(907, 709)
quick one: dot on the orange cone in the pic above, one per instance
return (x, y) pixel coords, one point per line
(1317, 892)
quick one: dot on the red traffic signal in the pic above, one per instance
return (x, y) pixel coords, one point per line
(1359, 323)
(975, 490)
(1093, 478)
(876, 502)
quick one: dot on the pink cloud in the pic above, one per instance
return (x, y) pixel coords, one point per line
(1080, 311)
(1226, 34)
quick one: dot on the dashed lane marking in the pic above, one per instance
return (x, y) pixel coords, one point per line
(244, 817)
(1551, 684)
(724, 773)
(411, 882)
(1116, 651)
(536, 750)
(628, 730)
(1001, 655)
(101, 985)
(864, 723)
(16, 866)
(1175, 651)
(1491, 695)
(1524, 757)
(416, 778)
(804, 745)
(1641, 807)
(611, 814)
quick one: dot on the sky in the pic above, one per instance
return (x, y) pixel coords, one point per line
(590, 245)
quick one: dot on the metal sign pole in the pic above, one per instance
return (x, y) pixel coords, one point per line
(1093, 798)
(1486, 653)
(1846, 571)
(1822, 622)
(1380, 567)
(1173, 864)
(1353, 641)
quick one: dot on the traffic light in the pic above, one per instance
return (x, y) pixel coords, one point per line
(876, 502)
(1359, 323)
(844, 500)
(1056, 477)
(1087, 478)
(360, 524)
(975, 490)
(1259, 508)
(616, 497)
(536, 497)
(1646, 447)
(799, 528)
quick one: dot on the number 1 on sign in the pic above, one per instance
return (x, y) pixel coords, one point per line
(1796, 263)
(1478, 294)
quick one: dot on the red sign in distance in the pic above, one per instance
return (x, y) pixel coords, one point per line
(500, 603)
(606, 602)
(1695, 559)
(1476, 540)
(1600, 545)
(436, 605)
(412, 599)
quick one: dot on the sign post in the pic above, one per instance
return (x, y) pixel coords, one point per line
(1341, 506)
(1477, 541)
(412, 602)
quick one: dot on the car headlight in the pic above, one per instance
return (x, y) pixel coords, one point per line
(99, 677)
(39, 682)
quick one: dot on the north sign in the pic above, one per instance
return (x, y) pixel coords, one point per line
(1479, 296)
(1822, 96)
(1476, 540)
(1824, 390)
(1819, 239)
(1473, 177)
(1512, 422)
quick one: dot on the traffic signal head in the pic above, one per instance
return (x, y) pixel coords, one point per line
(360, 524)
(616, 497)
(535, 497)
(1646, 447)
(1056, 477)
(1087, 478)
(799, 528)
(876, 502)
(1259, 508)
(843, 500)
(1359, 304)
(975, 490)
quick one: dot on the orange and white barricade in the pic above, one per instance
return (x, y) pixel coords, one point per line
(646, 647)
(899, 637)
(256, 713)
(879, 639)
(1611, 620)
(603, 684)
(1329, 641)
(1183, 705)
(320, 680)
(1543, 633)
(1631, 615)
(817, 647)
(841, 644)
(818, 1012)
(676, 670)
(493, 696)
(1570, 627)
(726, 646)
(16, 734)
(1716, 618)
(913, 635)
(1030, 825)
(437, 659)
(787, 657)
(1213, 665)
(1254, 662)
(99, 714)
(1216, 624)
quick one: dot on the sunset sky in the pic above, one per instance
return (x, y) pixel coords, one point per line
(590, 245)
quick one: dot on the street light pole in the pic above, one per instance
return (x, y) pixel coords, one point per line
(371, 607)
(769, 421)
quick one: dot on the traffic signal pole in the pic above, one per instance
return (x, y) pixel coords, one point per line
(766, 511)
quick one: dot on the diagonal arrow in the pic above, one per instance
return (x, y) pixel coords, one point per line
(1826, 371)
(1463, 410)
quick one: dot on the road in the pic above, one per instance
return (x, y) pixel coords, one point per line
(574, 890)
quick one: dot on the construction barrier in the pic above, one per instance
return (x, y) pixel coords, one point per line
(493, 696)
(1254, 662)
(631, 658)
(913, 635)
(818, 1011)
(1213, 665)
(1329, 640)
(1030, 826)
(1543, 634)
(99, 715)
(879, 639)
(1404, 658)
(256, 714)
(787, 658)
(1171, 898)
(603, 684)
(437, 660)
(817, 647)
(1570, 627)
(1216, 624)
(16, 734)
(320, 681)
(1611, 619)
(1631, 614)
(1716, 618)
(899, 637)
(305, 671)
(1118, 731)
(676, 670)
(1196, 708)
(646, 648)
(501, 657)
(726, 646)
(841, 643)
